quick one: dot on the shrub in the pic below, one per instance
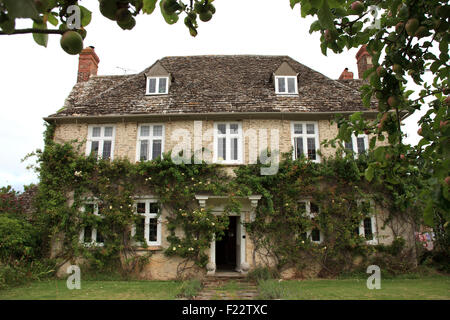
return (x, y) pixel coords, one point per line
(18, 239)
(262, 273)
(270, 289)
(190, 288)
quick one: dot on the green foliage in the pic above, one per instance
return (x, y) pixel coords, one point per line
(123, 12)
(270, 290)
(335, 185)
(262, 273)
(19, 240)
(190, 288)
(399, 36)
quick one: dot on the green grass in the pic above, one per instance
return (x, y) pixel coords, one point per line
(94, 290)
(428, 288)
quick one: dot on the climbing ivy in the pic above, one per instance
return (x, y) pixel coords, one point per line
(69, 179)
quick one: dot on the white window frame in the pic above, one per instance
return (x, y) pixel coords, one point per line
(150, 139)
(93, 241)
(277, 91)
(311, 215)
(148, 216)
(373, 220)
(355, 143)
(228, 137)
(156, 86)
(100, 139)
(305, 137)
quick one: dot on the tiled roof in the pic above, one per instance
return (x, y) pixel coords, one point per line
(208, 84)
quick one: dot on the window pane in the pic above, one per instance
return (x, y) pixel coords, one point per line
(298, 147)
(311, 148)
(140, 229)
(361, 146)
(106, 149)
(96, 131)
(291, 85)
(281, 85)
(315, 235)
(302, 207)
(349, 145)
(108, 131)
(162, 85)
(99, 238)
(234, 149)
(140, 207)
(234, 128)
(156, 152)
(94, 148)
(87, 234)
(157, 131)
(153, 229)
(368, 228)
(314, 208)
(89, 208)
(298, 128)
(143, 156)
(152, 85)
(145, 131)
(154, 207)
(222, 128)
(310, 128)
(221, 148)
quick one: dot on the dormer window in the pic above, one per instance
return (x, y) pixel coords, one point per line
(157, 85)
(286, 85)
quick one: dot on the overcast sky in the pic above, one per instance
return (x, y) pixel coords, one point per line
(34, 81)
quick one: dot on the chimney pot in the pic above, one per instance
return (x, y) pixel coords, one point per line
(363, 60)
(87, 64)
(346, 75)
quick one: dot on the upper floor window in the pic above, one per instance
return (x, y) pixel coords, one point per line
(228, 142)
(157, 85)
(90, 234)
(305, 140)
(148, 226)
(100, 141)
(150, 141)
(357, 144)
(286, 85)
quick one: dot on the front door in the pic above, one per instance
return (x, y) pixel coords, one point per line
(226, 247)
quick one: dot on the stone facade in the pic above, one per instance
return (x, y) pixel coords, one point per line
(190, 133)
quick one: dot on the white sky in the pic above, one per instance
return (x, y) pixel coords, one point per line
(34, 81)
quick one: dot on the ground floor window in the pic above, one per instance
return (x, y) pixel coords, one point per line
(311, 209)
(147, 228)
(91, 234)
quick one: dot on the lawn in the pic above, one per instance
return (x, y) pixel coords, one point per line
(430, 288)
(94, 290)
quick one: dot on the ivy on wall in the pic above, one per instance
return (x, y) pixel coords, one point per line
(68, 179)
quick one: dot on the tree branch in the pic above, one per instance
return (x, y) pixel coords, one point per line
(32, 30)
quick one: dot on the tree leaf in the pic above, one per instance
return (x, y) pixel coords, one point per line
(21, 9)
(52, 19)
(369, 173)
(149, 6)
(40, 38)
(293, 3)
(170, 19)
(86, 16)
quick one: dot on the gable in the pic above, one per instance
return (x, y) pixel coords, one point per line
(285, 70)
(157, 70)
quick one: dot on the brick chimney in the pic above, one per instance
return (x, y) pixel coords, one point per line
(364, 61)
(88, 64)
(346, 75)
